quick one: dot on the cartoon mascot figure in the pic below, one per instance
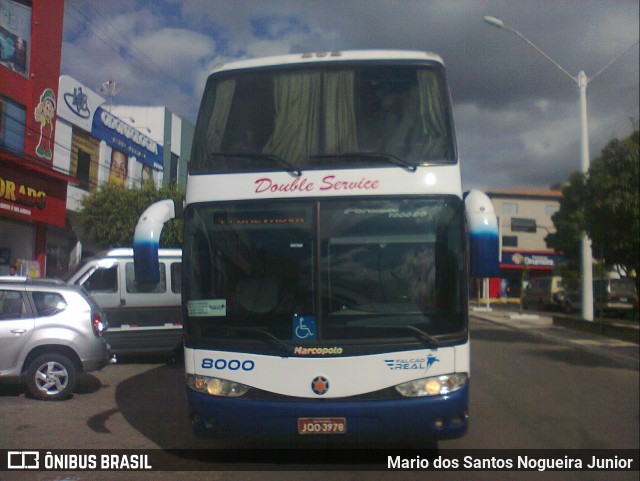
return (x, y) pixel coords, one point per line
(45, 113)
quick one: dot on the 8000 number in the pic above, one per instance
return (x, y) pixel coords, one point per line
(231, 365)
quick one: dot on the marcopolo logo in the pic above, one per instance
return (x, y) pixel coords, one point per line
(317, 351)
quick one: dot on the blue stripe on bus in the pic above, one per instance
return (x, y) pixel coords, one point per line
(400, 419)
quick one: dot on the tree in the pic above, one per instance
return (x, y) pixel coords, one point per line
(110, 214)
(613, 210)
(605, 204)
(569, 221)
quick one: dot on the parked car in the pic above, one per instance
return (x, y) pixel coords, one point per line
(142, 317)
(544, 292)
(572, 296)
(611, 296)
(615, 296)
(49, 332)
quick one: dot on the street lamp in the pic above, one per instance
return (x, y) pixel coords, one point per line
(582, 80)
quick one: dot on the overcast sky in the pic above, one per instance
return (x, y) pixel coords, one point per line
(516, 114)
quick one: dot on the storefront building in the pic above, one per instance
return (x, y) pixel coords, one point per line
(32, 191)
(97, 143)
(95, 147)
(524, 220)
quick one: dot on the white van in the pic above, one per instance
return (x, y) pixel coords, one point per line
(142, 318)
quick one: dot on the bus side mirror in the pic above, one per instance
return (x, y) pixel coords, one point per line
(146, 240)
(483, 235)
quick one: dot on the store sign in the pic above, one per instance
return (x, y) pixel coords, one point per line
(32, 198)
(124, 137)
(77, 103)
(539, 260)
(523, 225)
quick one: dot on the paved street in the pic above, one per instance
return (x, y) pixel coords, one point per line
(610, 350)
(533, 386)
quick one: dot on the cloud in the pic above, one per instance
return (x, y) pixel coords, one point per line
(272, 27)
(516, 114)
(171, 45)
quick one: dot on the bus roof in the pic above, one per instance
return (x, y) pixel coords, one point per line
(336, 56)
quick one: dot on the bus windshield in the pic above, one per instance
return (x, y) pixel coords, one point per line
(357, 270)
(339, 116)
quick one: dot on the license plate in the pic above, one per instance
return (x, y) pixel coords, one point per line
(322, 425)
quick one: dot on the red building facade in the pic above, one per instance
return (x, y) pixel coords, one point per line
(32, 192)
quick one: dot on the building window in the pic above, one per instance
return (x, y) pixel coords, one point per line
(12, 125)
(173, 169)
(519, 224)
(3, 117)
(509, 241)
(509, 208)
(84, 166)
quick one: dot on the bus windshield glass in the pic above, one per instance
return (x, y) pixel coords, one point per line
(296, 118)
(357, 270)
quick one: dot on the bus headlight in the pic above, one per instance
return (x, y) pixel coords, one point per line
(216, 386)
(433, 386)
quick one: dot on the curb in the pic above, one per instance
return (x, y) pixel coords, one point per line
(609, 352)
(616, 330)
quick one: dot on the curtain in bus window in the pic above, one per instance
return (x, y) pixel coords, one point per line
(434, 125)
(340, 115)
(297, 116)
(218, 123)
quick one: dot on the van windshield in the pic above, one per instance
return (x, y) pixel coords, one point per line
(72, 272)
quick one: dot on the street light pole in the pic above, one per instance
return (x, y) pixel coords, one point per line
(586, 251)
(582, 80)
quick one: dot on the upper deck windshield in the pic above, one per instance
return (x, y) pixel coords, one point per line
(324, 116)
(358, 271)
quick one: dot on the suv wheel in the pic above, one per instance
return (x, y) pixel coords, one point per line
(51, 376)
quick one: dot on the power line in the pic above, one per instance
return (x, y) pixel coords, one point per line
(120, 44)
(38, 160)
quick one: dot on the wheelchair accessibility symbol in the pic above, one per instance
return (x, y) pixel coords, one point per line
(304, 328)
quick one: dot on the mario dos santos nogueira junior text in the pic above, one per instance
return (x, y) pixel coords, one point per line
(523, 462)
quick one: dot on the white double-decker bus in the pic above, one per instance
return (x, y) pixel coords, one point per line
(326, 252)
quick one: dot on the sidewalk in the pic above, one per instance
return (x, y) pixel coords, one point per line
(623, 352)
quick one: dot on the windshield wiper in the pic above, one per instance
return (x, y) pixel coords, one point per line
(425, 337)
(263, 332)
(292, 169)
(385, 156)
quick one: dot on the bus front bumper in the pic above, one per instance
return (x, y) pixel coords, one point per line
(402, 421)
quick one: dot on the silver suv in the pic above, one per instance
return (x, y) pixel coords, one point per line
(49, 331)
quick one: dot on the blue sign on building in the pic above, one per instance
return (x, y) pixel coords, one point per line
(125, 138)
(534, 260)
